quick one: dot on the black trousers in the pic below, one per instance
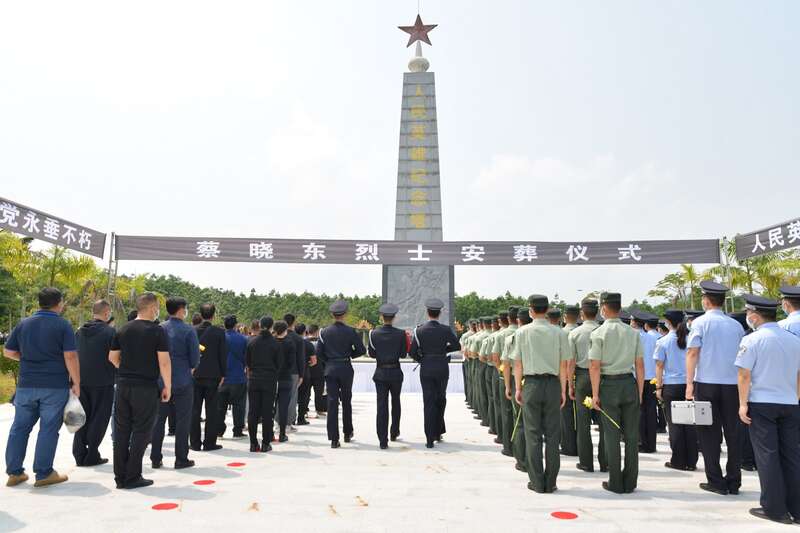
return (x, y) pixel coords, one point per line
(97, 402)
(725, 421)
(234, 394)
(748, 455)
(171, 419)
(648, 423)
(339, 382)
(775, 433)
(181, 404)
(682, 437)
(282, 403)
(433, 376)
(383, 389)
(304, 396)
(206, 391)
(262, 401)
(135, 410)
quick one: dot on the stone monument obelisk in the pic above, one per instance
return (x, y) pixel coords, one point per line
(418, 211)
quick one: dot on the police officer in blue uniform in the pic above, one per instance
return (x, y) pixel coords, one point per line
(791, 306)
(711, 376)
(338, 344)
(769, 379)
(430, 344)
(649, 407)
(387, 345)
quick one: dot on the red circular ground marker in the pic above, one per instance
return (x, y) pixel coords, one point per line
(165, 506)
(204, 482)
(235, 464)
(563, 515)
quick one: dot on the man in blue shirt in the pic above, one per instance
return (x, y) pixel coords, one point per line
(44, 344)
(649, 406)
(711, 376)
(791, 306)
(184, 354)
(233, 390)
(769, 386)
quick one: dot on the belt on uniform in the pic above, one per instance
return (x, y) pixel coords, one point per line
(616, 376)
(540, 376)
(579, 370)
(435, 355)
(389, 365)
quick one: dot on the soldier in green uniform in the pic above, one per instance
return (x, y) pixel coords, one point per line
(471, 330)
(496, 346)
(541, 353)
(503, 408)
(518, 427)
(579, 343)
(476, 343)
(615, 349)
(569, 444)
(488, 371)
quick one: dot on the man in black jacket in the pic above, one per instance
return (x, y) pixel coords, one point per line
(298, 369)
(97, 384)
(387, 345)
(208, 376)
(304, 390)
(431, 344)
(338, 344)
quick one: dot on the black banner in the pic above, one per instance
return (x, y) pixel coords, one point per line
(771, 239)
(24, 220)
(370, 252)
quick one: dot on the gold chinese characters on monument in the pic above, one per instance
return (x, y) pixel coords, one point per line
(418, 154)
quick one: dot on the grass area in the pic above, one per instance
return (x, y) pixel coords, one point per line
(6, 387)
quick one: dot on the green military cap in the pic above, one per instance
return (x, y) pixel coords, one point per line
(538, 300)
(572, 310)
(524, 315)
(554, 313)
(503, 314)
(611, 298)
(513, 311)
(590, 304)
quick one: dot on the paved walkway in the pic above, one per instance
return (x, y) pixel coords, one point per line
(465, 484)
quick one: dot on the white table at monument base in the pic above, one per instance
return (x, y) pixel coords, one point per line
(362, 379)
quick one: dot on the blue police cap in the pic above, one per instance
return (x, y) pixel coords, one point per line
(639, 315)
(692, 314)
(625, 316)
(674, 315)
(759, 303)
(388, 309)
(338, 308)
(434, 304)
(788, 291)
(741, 318)
(712, 287)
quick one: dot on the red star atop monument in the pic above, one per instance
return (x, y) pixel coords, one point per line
(418, 32)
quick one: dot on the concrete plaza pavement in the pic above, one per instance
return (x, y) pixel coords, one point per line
(464, 484)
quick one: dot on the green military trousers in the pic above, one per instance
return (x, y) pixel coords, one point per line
(518, 431)
(619, 398)
(484, 400)
(542, 413)
(569, 444)
(583, 388)
(491, 392)
(506, 415)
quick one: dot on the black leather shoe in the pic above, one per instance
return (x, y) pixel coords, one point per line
(608, 488)
(284, 438)
(238, 435)
(138, 483)
(302, 422)
(348, 437)
(157, 464)
(384, 445)
(180, 465)
(604, 469)
(212, 447)
(711, 488)
(521, 468)
(394, 437)
(490, 432)
(429, 445)
(485, 424)
(266, 447)
(507, 453)
(733, 491)
(498, 440)
(674, 467)
(171, 433)
(534, 489)
(195, 448)
(749, 468)
(255, 448)
(440, 439)
(335, 444)
(758, 512)
(476, 417)
(584, 468)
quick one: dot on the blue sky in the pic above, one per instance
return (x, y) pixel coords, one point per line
(557, 121)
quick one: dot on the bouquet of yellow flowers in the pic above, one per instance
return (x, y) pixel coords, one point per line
(589, 404)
